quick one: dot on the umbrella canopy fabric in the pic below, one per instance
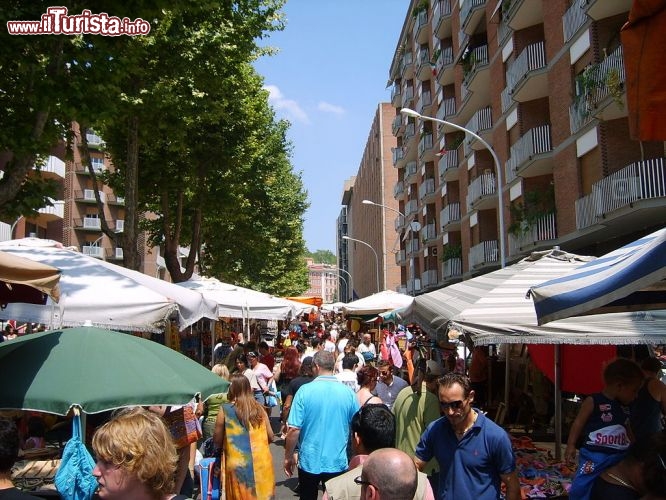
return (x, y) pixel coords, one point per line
(493, 309)
(24, 275)
(629, 278)
(237, 302)
(97, 370)
(104, 294)
(377, 303)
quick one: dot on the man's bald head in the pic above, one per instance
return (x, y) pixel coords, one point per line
(392, 473)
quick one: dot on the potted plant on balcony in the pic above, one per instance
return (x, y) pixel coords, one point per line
(535, 205)
(451, 251)
(422, 6)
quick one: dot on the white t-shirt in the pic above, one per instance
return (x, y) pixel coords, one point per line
(348, 378)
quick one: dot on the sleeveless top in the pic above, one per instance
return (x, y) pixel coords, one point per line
(645, 413)
(606, 429)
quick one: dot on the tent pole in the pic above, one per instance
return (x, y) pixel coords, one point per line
(558, 402)
(506, 376)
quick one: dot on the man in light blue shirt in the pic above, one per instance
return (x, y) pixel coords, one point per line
(319, 422)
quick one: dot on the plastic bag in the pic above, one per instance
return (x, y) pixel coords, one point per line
(74, 479)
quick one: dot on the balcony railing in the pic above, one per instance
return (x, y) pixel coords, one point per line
(400, 257)
(398, 189)
(532, 58)
(595, 84)
(483, 253)
(93, 251)
(93, 139)
(410, 170)
(573, 19)
(450, 213)
(641, 180)
(425, 143)
(407, 95)
(440, 9)
(535, 141)
(397, 123)
(481, 121)
(429, 232)
(412, 246)
(447, 162)
(478, 59)
(466, 9)
(411, 207)
(424, 101)
(413, 286)
(483, 185)
(115, 253)
(395, 91)
(398, 154)
(426, 188)
(451, 268)
(447, 108)
(54, 165)
(506, 98)
(429, 278)
(544, 229)
(407, 60)
(399, 223)
(57, 209)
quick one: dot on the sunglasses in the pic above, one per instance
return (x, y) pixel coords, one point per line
(454, 405)
(360, 481)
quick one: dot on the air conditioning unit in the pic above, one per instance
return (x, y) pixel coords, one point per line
(433, 251)
(627, 189)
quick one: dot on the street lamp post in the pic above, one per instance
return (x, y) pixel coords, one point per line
(346, 284)
(500, 214)
(350, 285)
(413, 227)
(373, 251)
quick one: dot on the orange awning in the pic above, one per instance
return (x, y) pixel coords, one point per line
(312, 301)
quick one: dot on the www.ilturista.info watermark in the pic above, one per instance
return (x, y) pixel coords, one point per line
(56, 22)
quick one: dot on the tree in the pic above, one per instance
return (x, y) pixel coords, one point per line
(323, 257)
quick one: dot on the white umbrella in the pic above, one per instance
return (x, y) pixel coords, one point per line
(378, 303)
(104, 294)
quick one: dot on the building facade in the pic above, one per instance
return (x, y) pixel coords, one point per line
(542, 82)
(370, 217)
(322, 281)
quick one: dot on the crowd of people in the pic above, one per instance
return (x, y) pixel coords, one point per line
(378, 417)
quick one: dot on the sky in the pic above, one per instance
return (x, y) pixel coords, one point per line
(327, 79)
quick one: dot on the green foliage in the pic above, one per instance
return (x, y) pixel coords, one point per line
(535, 205)
(323, 257)
(451, 251)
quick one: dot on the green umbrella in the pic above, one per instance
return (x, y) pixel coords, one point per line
(97, 370)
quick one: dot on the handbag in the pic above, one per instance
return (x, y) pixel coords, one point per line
(271, 399)
(209, 478)
(74, 479)
(182, 423)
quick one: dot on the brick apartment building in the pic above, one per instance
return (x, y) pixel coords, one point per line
(543, 83)
(74, 219)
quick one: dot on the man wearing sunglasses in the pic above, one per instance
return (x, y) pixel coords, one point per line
(474, 453)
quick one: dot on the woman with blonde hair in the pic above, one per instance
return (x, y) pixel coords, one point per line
(136, 457)
(244, 433)
(212, 405)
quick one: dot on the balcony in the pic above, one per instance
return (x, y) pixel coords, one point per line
(411, 207)
(441, 18)
(574, 18)
(410, 172)
(408, 96)
(114, 254)
(396, 126)
(119, 226)
(484, 253)
(527, 78)
(600, 92)
(93, 251)
(448, 166)
(412, 246)
(396, 95)
(480, 190)
(54, 168)
(425, 145)
(539, 235)
(521, 14)
(410, 131)
(398, 190)
(449, 217)
(426, 191)
(421, 27)
(471, 13)
(424, 102)
(445, 67)
(400, 258)
(53, 212)
(481, 124)
(398, 155)
(424, 67)
(446, 109)
(506, 99)
(413, 286)
(635, 193)
(601, 9)
(530, 156)
(98, 168)
(429, 233)
(407, 65)
(88, 196)
(94, 141)
(399, 223)
(88, 224)
(474, 65)
(429, 278)
(112, 199)
(452, 269)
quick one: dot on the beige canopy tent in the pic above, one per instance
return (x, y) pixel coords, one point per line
(22, 277)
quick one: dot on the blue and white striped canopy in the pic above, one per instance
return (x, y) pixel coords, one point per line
(626, 279)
